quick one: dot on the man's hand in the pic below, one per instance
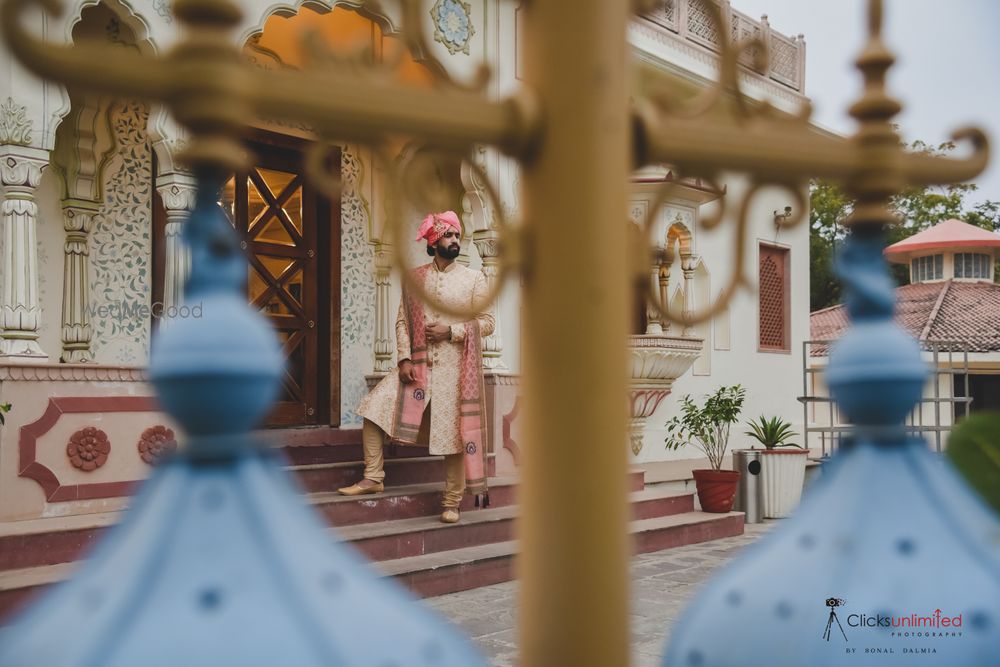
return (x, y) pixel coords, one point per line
(437, 333)
(406, 371)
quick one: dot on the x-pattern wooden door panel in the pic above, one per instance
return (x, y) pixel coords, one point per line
(275, 210)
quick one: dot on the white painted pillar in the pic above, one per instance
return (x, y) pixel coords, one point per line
(177, 191)
(20, 316)
(385, 323)
(78, 221)
(486, 244)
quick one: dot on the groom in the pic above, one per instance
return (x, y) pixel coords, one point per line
(440, 362)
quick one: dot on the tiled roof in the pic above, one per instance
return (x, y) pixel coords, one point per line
(950, 311)
(950, 233)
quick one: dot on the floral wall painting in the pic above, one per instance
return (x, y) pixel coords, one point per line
(453, 25)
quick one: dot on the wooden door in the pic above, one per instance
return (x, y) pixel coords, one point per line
(289, 232)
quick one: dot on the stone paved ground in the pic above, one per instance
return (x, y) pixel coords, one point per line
(662, 583)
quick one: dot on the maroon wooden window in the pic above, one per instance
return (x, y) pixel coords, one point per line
(773, 306)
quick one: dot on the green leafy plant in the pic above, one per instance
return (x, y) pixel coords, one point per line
(707, 426)
(974, 448)
(771, 432)
(4, 409)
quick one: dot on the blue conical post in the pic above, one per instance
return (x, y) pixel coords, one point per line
(891, 559)
(889, 534)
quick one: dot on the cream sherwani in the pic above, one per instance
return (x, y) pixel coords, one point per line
(458, 287)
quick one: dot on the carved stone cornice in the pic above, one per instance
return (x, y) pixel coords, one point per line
(656, 361)
(72, 373)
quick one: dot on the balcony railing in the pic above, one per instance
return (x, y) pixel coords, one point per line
(689, 20)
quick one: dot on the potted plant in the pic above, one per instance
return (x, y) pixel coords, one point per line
(783, 466)
(707, 428)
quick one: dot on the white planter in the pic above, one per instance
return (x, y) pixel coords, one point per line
(782, 474)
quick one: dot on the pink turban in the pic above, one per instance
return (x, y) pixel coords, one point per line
(435, 225)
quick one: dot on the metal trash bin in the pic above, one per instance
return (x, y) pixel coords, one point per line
(750, 491)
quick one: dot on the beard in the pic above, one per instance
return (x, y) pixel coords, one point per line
(449, 252)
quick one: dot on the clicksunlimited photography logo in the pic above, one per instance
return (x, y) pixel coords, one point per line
(833, 603)
(909, 632)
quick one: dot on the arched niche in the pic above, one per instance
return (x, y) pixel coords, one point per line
(342, 30)
(135, 32)
(83, 139)
(678, 240)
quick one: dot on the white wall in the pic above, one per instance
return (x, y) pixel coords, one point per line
(773, 379)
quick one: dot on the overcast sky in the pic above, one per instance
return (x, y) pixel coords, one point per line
(947, 71)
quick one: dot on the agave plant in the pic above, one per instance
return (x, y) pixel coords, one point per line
(772, 432)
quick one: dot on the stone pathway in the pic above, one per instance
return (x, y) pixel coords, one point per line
(662, 584)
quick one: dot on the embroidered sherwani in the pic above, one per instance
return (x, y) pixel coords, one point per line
(458, 287)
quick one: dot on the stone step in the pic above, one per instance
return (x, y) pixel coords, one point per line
(452, 568)
(322, 477)
(401, 502)
(344, 453)
(404, 538)
(428, 575)
(399, 521)
(19, 587)
(34, 543)
(416, 500)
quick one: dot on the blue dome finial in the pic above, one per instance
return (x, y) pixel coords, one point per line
(217, 373)
(876, 374)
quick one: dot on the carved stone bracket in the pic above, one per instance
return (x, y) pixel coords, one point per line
(643, 403)
(655, 362)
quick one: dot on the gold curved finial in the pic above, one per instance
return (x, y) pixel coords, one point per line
(215, 13)
(875, 19)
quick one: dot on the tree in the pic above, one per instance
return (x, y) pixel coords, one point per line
(829, 206)
(917, 208)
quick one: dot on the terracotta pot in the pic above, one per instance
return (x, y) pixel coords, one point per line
(716, 489)
(782, 474)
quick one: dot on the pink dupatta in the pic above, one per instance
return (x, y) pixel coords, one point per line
(471, 396)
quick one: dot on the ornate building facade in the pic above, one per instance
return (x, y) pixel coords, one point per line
(94, 204)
